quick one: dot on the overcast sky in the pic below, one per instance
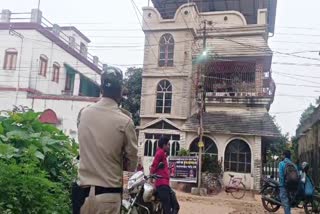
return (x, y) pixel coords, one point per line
(111, 24)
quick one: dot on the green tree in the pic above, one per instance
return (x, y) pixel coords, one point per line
(36, 168)
(279, 144)
(306, 114)
(133, 83)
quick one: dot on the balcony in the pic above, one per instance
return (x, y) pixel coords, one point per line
(238, 82)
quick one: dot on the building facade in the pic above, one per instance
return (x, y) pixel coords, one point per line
(46, 67)
(235, 68)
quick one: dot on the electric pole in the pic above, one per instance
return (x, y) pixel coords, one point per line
(201, 95)
(39, 4)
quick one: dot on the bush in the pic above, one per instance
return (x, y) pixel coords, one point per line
(36, 169)
(211, 164)
(183, 152)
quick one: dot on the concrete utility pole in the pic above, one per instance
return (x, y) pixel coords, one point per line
(201, 102)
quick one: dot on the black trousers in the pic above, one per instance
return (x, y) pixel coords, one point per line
(168, 200)
(79, 195)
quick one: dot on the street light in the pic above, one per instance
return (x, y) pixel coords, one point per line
(14, 33)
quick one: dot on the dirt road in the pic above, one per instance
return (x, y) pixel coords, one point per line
(222, 204)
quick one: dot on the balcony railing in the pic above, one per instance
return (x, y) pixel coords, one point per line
(237, 79)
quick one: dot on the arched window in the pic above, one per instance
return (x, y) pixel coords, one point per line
(151, 143)
(237, 157)
(56, 72)
(43, 65)
(166, 49)
(174, 148)
(150, 148)
(164, 97)
(10, 59)
(210, 147)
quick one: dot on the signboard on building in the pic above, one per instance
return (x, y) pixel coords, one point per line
(183, 169)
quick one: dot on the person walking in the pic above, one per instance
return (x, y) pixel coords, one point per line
(289, 180)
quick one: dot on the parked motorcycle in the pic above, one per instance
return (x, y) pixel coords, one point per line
(270, 193)
(142, 195)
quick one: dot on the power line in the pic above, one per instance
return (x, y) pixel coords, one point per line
(47, 78)
(298, 34)
(298, 85)
(298, 27)
(141, 46)
(287, 112)
(297, 96)
(295, 42)
(290, 74)
(296, 64)
(296, 78)
(277, 52)
(132, 23)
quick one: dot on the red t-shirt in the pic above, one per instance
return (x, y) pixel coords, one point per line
(164, 173)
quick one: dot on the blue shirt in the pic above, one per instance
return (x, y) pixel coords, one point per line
(282, 168)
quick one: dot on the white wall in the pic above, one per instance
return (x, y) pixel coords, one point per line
(66, 110)
(180, 97)
(35, 44)
(179, 74)
(251, 180)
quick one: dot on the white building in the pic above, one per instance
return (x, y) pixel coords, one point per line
(238, 84)
(46, 67)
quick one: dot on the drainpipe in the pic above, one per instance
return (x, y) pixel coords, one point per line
(12, 32)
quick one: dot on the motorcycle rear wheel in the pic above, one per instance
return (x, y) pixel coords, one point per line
(269, 206)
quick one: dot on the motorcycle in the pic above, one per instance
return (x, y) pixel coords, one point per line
(271, 197)
(142, 195)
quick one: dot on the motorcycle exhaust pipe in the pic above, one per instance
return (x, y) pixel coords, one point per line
(271, 200)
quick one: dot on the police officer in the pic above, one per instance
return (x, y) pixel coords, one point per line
(107, 137)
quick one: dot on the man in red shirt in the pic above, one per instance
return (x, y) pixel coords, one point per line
(165, 193)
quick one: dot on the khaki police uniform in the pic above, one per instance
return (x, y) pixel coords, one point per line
(106, 136)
